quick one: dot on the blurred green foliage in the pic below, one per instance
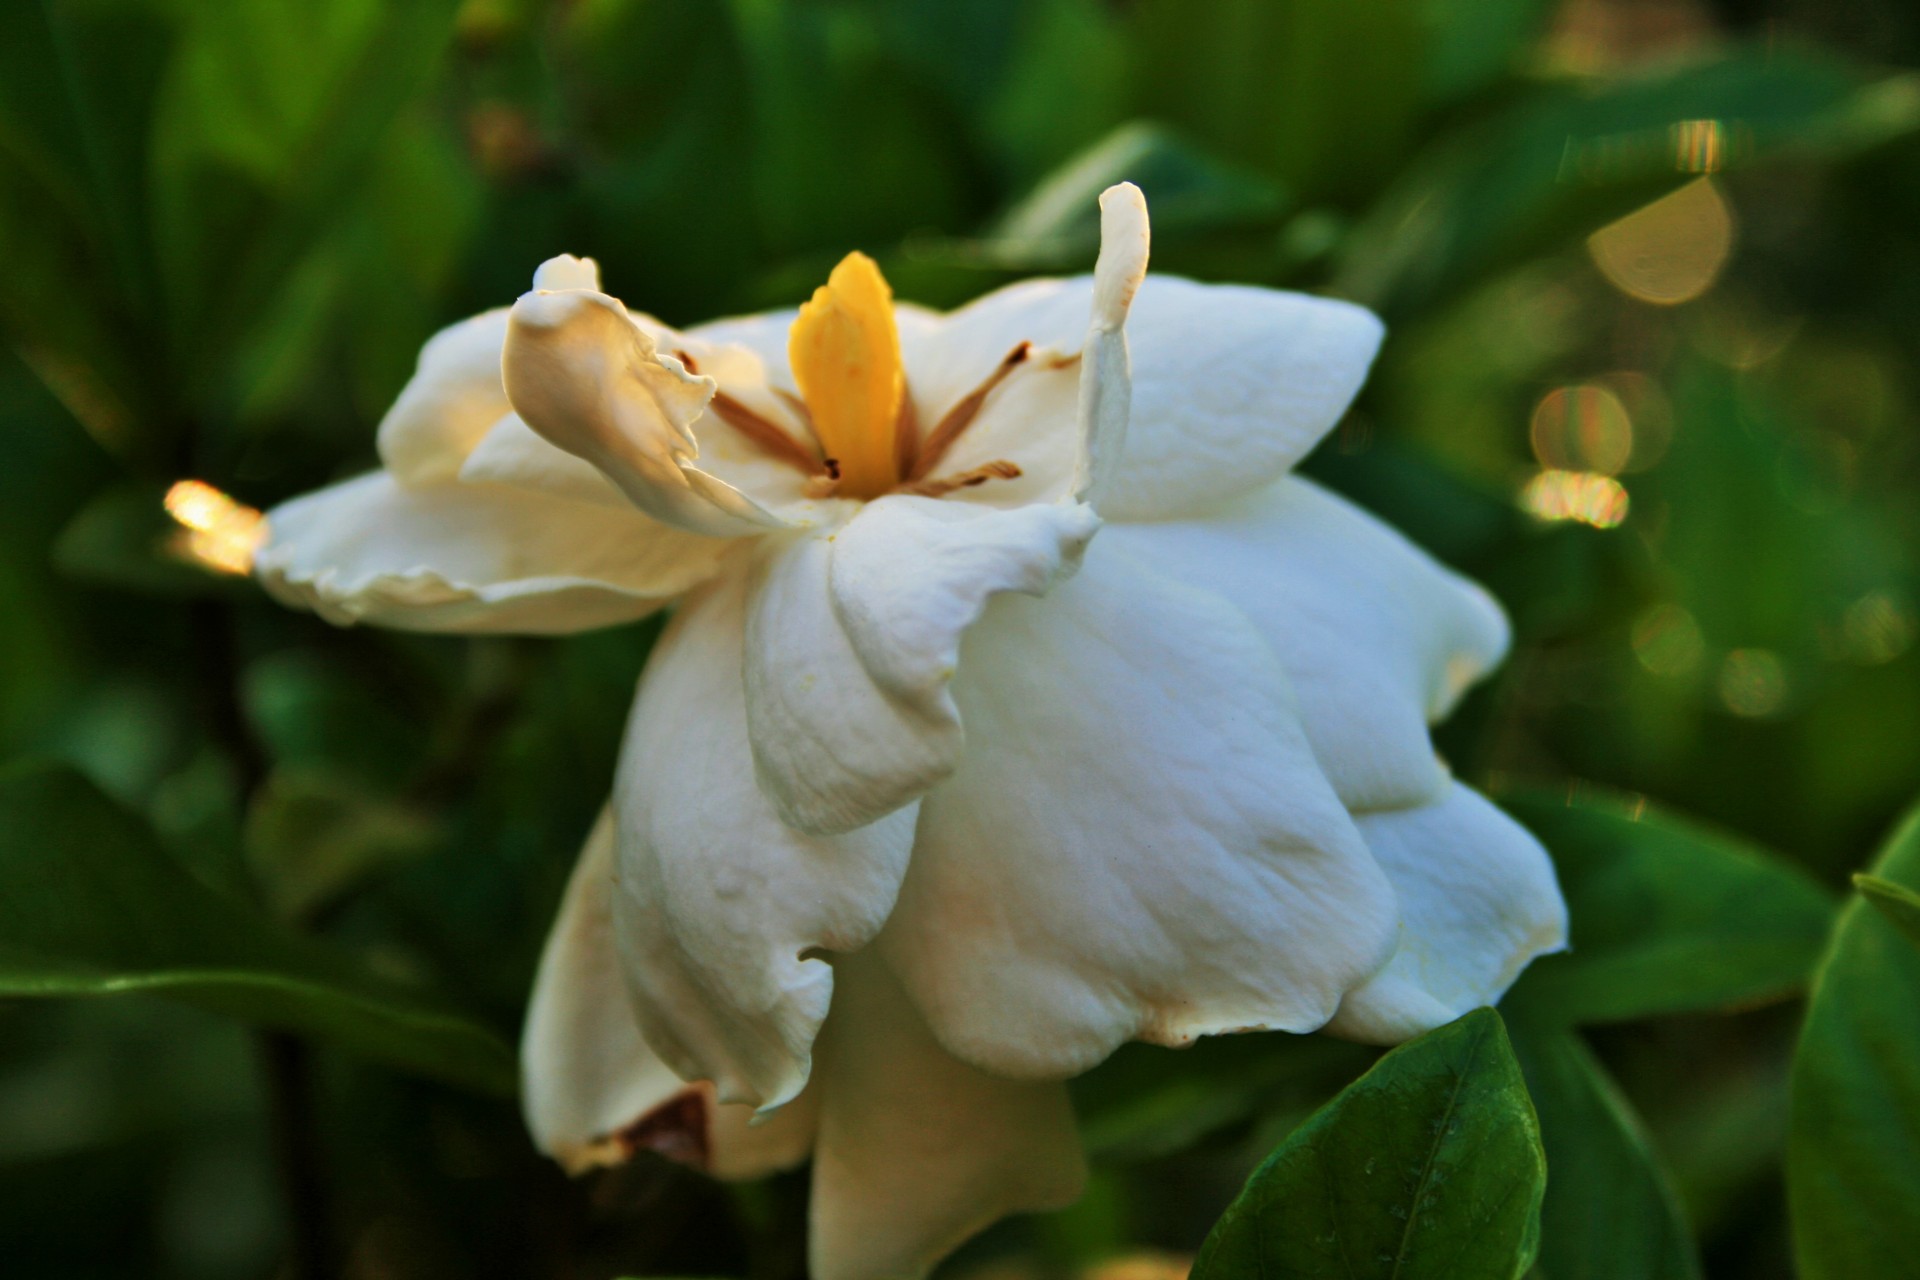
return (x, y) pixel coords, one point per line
(229, 226)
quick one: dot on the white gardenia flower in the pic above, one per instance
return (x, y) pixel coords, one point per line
(992, 730)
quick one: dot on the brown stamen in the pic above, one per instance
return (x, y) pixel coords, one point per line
(768, 435)
(957, 419)
(1000, 470)
(906, 433)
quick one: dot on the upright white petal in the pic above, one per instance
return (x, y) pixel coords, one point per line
(722, 908)
(1105, 387)
(1478, 900)
(580, 372)
(453, 398)
(594, 1094)
(917, 1150)
(853, 637)
(1138, 842)
(474, 558)
(1380, 639)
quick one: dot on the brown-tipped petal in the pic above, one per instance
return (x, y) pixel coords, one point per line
(595, 1095)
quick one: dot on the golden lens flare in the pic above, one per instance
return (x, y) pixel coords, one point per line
(219, 533)
(1583, 496)
(845, 351)
(1670, 251)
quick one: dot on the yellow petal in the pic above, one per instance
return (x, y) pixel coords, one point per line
(845, 352)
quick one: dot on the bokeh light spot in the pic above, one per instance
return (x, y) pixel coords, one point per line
(1667, 641)
(1753, 683)
(1878, 627)
(1670, 251)
(1699, 146)
(1584, 496)
(1582, 428)
(217, 532)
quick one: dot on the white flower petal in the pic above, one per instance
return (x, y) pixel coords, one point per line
(1379, 639)
(474, 558)
(721, 907)
(580, 372)
(918, 1151)
(513, 453)
(452, 400)
(853, 637)
(1138, 842)
(1231, 385)
(1478, 900)
(594, 1093)
(1104, 366)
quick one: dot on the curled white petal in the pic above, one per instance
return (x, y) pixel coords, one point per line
(593, 1093)
(853, 638)
(1478, 900)
(474, 558)
(1379, 638)
(723, 911)
(1138, 842)
(580, 372)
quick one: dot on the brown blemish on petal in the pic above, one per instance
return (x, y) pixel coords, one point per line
(677, 1129)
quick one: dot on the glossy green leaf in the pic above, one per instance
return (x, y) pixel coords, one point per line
(1611, 1212)
(1896, 902)
(1853, 1162)
(1667, 916)
(90, 905)
(1428, 1166)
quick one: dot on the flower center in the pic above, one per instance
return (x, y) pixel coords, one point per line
(845, 351)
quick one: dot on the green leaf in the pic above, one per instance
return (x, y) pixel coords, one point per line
(1565, 160)
(1896, 902)
(1667, 916)
(1611, 1212)
(1471, 42)
(312, 837)
(1057, 224)
(1428, 1166)
(1146, 1101)
(1321, 94)
(1853, 1154)
(90, 905)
